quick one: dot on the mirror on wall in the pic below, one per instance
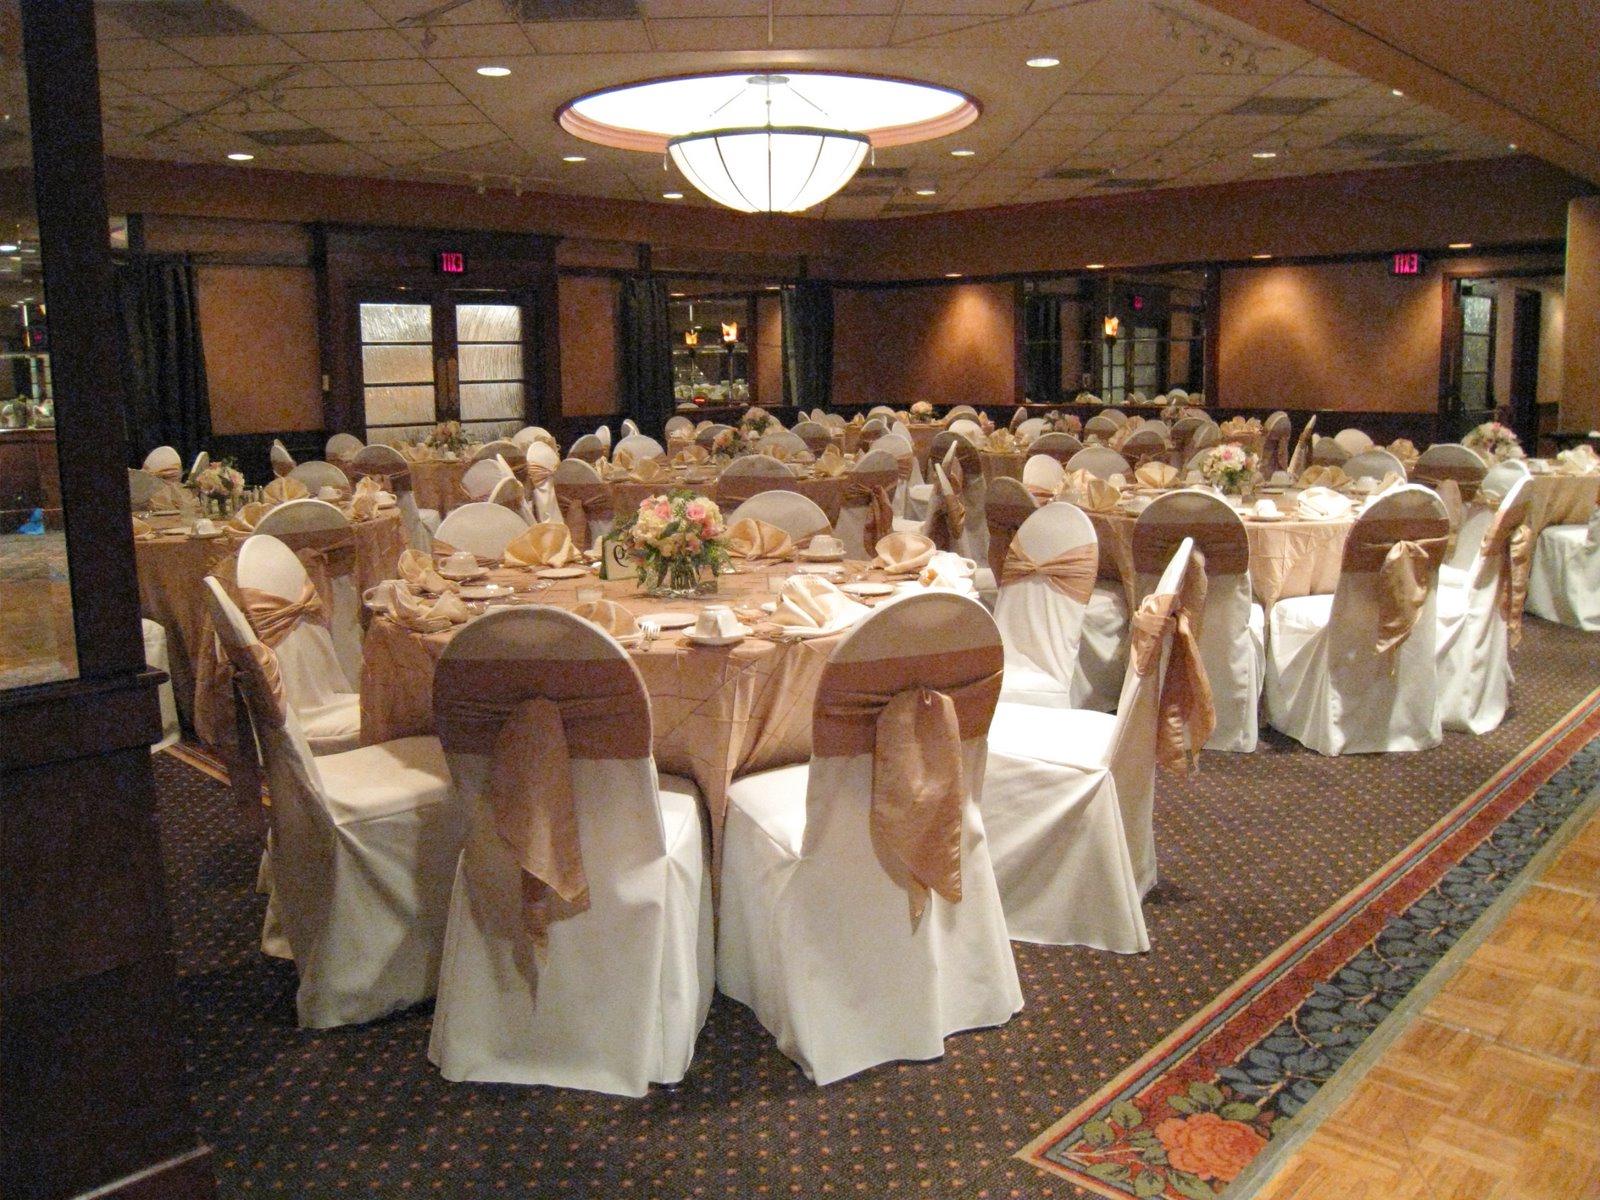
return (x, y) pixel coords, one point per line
(1118, 336)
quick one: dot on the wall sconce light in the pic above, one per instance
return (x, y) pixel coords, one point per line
(730, 332)
(1112, 327)
(691, 337)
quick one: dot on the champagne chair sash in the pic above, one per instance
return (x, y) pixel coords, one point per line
(1072, 572)
(443, 550)
(1004, 517)
(912, 715)
(274, 618)
(1301, 458)
(172, 474)
(1405, 554)
(327, 554)
(1185, 713)
(1226, 550)
(536, 475)
(1464, 475)
(581, 502)
(1510, 539)
(390, 478)
(255, 670)
(872, 489)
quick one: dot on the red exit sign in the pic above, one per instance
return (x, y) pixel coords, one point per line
(1406, 263)
(450, 262)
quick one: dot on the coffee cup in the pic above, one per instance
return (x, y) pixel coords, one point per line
(716, 621)
(461, 561)
(1266, 508)
(205, 527)
(825, 544)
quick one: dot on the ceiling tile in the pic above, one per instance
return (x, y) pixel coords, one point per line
(236, 51)
(486, 42)
(323, 99)
(355, 44)
(363, 74)
(439, 114)
(706, 34)
(298, 16)
(127, 54)
(409, 94)
(589, 37)
(189, 79)
(824, 32)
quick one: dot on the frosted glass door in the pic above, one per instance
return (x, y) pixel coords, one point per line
(490, 372)
(397, 371)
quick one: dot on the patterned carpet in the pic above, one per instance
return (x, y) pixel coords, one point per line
(1253, 850)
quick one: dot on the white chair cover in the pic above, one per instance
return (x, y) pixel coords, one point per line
(614, 998)
(364, 844)
(603, 434)
(1100, 427)
(1453, 461)
(782, 439)
(797, 515)
(538, 472)
(394, 472)
(280, 458)
(749, 475)
(678, 425)
(142, 485)
(641, 447)
(1353, 441)
(1565, 582)
(1032, 427)
(588, 448)
(165, 463)
(630, 427)
(1045, 583)
(1069, 794)
(1328, 452)
(845, 965)
(1059, 446)
(481, 528)
(584, 501)
(481, 478)
(1100, 462)
(1042, 475)
(309, 526)
(201, 461)
(1328, 684)
(343, 445)
(1481, 622)
(866, 511)
(1374, 464)
(155, 657)
(317, 475)
(815, 434)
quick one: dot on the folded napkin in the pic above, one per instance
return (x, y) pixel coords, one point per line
(1406, 451)
(609, 615)
(1090, 492)
(1240, 425)
(781, 453)
(690, 455)
(947, 572)
(364, 506)
(424, 614)
(903, 553)
(417, 453)
(1282, 479)
(1157, 475)
(284, 488)
(1580, 460)
(858, 420)
(368, 486)
(831, 464)
(804, 457)
(417, 569)
(750, 538)
(173, 496)
(548, 544)
(623, 460)
(1321, 503)
(1325, 476)
(248, 517)
(142, 529)
(647, 470)
(1003, 441)
(811, 602)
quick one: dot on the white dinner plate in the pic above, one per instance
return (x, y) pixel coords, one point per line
(819, 568)
(815, 556)
(670, 620)
(485, 591)
(460, 575)
(562, 572)
(869, 589)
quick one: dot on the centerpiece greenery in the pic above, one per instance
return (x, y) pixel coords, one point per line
(676, 539)
(1494, 441)
(448, 436)
(1229, 468)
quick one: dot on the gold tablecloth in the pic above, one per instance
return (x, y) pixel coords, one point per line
(827, 492)
(1287, 558)
(718, 713)
(997, 464)
(1561, 500)
(437, 485)
(171, 594)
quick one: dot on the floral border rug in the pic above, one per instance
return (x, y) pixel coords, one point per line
(1185, 1119)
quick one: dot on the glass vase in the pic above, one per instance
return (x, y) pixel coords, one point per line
(680, 579)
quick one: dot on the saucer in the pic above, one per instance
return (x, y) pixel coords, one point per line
(460, 574)
(670, 620)
(1255, 516)
(818, 556)
(729, 639)
(868, 589)
(562, 572)
(485, 591)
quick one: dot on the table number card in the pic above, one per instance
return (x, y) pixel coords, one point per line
(615, 561)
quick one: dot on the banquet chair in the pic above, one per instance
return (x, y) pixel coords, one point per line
(816, 436)
(1452, 461)
(538, 472)
(641, 447)
(875, 428)
(363, 845)
(1328, 452)
(1374, 464)
(1032, 427)
(317, 475)
(142, 485)
(750, 474)
(1045, 581)
(833, 421)
(1100, 428)
(967, 428)
(956, 520)
(859, 916)
(1481, 623)
(481, 477)
(312, 526)
(960, 412)
(509, 493)
(1476, 519)
(201, 462)
(603, 434)
(1276, 431)
(584, 501)
(1207, 435)
(1354, 441)
(1355, 672)
(1100, 461)
(1565, 582)
(1042, 475)
(157, 658)
(1059, 446)
(342, 446)
(504, 448)
(588, 448)
(1008, 504)
(783, 440)
(579, 948)
(1145, 445)
(389, 466)
(798, 516)
(1116, 414)
(1069, 795)
(866, 509)
(528, 435)
(281, 460)
(678, 424)
(880, 410)
(480, 528)
(918, 495)
(1231, 628)
(708, 433)
(629, 427)
(900, 446)
(1300, 457)
(165, 463)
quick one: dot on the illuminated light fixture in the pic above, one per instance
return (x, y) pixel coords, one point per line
(1511, 145)
(9, 247)
(1264, 154)
(494, 72)
(677, 295)
(1260, 257)
(691, 337)
(927, 191)
(952, 274)
(730, 332)
(241, 156)
(1396, 92)
(1112, 327)
(672, 195)
(574, 158)
(1095, 266)
(1453, 246)
(768, 142)
(962, 153)
(1043, 61)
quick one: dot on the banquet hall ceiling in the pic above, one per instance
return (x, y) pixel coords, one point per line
(1148, 93)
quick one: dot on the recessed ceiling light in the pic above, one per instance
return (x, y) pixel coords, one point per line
(952, 274)
(1396, 92)
(1044, 60)
(1260, 256)
(494, 72)
(1511, 145)
(1095, 266)
(8, 247)
(241, 156)
(774, 287)
(1264, 154)
(672, 195)
(962, 153)
(1453, 246)
(573, 158)
(927, 191)
(676, 295)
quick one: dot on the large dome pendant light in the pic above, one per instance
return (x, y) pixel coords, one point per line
(770, 168)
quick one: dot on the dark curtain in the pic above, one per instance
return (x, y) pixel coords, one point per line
(1041, 325)
(808, 345)
(644, 353)
(163, 363)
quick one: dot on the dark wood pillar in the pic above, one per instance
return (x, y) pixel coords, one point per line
(92, 1094)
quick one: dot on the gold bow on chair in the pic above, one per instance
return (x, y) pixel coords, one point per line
(1402, 591)
(1072, 572)
(1186, 714)
(1515, 551)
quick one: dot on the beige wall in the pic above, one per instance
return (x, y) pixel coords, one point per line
(588, 316)
(1580, 353)
(259, 327)
(769, 350)
(945, 344)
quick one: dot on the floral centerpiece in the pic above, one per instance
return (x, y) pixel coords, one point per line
(1494, 441)
(219, 486)
(448, 436)
(922, 411)
(756, 423)
(1228, 468)
(733, 443)
(677, 541)
(1068, 423)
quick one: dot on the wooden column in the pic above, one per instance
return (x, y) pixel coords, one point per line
(1580, 343)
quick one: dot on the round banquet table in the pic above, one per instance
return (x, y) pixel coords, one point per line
(1561, 499)
(436, 484)
(1002, 463)
(826, 491)
(718, 713)
(1287, 558)
(171, 593)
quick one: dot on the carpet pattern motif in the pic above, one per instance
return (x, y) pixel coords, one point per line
(1252, 851)
(1191, 1115)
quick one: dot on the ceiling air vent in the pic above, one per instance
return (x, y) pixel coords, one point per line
(882, 172)
(292, 137)
(1402, 154)
(572, 10)
(1128, 183)
(1372, 141)
(181, 18)
(1277, 106)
